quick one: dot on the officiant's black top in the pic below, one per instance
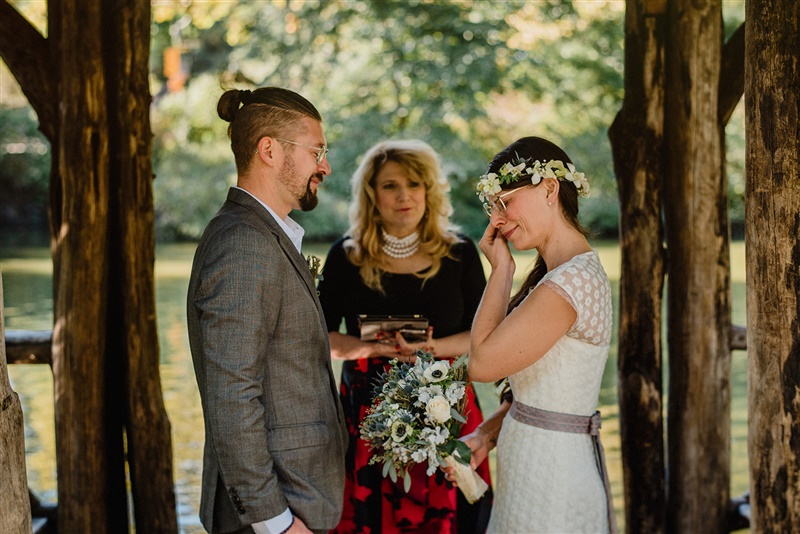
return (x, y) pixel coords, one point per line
(449, 301)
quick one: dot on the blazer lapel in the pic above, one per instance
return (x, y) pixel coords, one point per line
(297, 259)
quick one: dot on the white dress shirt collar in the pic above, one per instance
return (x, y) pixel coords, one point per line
(293, 231)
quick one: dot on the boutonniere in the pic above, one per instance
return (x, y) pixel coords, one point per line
(314, 265)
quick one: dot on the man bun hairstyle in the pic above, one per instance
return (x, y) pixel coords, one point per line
(263, 112)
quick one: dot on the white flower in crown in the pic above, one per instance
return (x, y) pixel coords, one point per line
(488, 185)
(513, 171)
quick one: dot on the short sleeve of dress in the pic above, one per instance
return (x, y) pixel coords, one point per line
(583, 283)
(332, 287)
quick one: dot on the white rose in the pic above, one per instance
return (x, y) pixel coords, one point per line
(439, 409)
(437, 372)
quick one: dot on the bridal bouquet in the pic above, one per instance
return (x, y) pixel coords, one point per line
(415, 417)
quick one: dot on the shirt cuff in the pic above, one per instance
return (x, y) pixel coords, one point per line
(276, 525)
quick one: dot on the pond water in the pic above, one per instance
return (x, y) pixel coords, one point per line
(27, 291)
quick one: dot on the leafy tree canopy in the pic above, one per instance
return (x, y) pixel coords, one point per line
(467, 76)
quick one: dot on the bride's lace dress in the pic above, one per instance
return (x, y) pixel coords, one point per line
(548, 481)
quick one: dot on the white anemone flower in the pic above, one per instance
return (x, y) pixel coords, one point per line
(400, 431)
(437, 372)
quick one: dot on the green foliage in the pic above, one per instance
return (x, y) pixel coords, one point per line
(24, 170)
(467, 77)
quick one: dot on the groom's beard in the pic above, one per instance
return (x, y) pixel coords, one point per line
(308, 201)
(306, 198)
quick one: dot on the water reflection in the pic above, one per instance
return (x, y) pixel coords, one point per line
(28, 299)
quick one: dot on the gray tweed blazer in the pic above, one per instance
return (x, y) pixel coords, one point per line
(274, 426)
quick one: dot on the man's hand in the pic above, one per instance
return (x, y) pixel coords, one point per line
(298, 527)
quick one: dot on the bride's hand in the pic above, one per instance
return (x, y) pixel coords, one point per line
(495, 247)
(479, 444)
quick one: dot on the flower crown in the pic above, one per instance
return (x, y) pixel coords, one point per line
(520, 168)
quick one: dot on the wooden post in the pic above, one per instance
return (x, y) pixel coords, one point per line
(132, 288)
(637, 143)
(698, 311)
(15, 505)
(772, 203)
(87, 81)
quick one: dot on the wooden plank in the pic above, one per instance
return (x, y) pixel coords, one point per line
(29, 346)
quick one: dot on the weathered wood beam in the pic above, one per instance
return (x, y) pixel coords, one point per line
(772, 257)
(637, 137)
(27, 54)
(15, 506)
(731, 87)
(29, 346)
(698, 292)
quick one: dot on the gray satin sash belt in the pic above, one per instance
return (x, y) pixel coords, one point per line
(575, 424)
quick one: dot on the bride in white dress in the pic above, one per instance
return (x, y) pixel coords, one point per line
(552, 345)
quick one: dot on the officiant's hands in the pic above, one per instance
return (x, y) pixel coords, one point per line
(344, 347)
(408, 350)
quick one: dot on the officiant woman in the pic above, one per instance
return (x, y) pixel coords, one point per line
(400, 256)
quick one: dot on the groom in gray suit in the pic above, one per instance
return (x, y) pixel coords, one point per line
(275, 436)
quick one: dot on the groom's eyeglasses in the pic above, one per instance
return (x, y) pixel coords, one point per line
(322, 152)
(496, 204)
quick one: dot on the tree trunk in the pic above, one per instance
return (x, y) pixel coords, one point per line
(90, 498)
(131, 285)
(772, 202)
(15, 506)
(637, 144)
(105, 345)
(698, 311)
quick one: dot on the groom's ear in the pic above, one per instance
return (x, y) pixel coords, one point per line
(267, 151)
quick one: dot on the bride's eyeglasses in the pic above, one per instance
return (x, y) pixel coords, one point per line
(496, 203)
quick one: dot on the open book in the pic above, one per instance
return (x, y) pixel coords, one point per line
(413, 328)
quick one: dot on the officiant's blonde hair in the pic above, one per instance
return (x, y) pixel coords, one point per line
(437, 234)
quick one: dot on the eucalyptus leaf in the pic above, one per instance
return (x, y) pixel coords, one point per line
(407, 482)
(457, 416)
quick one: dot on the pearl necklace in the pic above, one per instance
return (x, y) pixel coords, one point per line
(397, 248)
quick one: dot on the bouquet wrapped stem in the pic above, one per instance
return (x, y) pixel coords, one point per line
(416, 416)
(469, 482)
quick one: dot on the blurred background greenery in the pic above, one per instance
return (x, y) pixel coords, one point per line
(467, 76)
